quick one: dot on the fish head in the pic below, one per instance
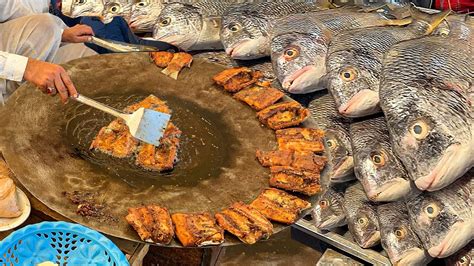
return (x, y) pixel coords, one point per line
(353, 80)
(328, 212)
(365, 227)
(179, 24)
(144, 15)
(434, 146)
(398, 238)
(299, 62)
(437, 222)
(341, 158)
(464, 257)
(244, 36)
(79, 8)
(115, 8)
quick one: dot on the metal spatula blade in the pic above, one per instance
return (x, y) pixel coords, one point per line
(145, 124)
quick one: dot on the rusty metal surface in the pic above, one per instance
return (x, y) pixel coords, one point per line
(46, 144)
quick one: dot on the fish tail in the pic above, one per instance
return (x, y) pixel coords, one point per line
(170, 73)
(433, 20)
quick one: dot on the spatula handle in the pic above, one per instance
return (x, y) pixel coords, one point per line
(87, 101)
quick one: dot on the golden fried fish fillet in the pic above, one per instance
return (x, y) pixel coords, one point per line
(279, 206)
(245, 222)
(237, 78)
(301, 139)
(150, 102)
(115, 140)
(304, 161)
(152, 223)
(163, 157)
(197, 229)
(292, 179)
(259, 97)
(283, 115)
(180, 60)
(162, 58)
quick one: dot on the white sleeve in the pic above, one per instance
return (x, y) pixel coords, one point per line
(12, 66)
(11, 9)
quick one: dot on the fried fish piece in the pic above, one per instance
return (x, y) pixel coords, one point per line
(161, 58)
(292, 179)
(300, 160)
(279, 206)
(197, 229)
(115, 140)
(179, 61)
(152, 223)
(259, 97)
(245, 222)
(237, 78)
(150, 102)
(163, 157)
(283, 115)
(301, 139)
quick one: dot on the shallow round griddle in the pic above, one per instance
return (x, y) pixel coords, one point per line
(46, 144)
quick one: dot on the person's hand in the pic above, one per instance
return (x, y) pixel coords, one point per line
(77, 34)
(50, 78)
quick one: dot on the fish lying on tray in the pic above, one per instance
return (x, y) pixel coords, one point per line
(245, 222)
(292, 179)
(258, 97)
(279, 206)
(237, 78)
(301, 139)
(305, 161)
(152, 223)
(197, 229)
(115, 140)
(283, 115)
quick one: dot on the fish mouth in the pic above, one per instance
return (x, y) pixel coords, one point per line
(413, 256)
(332, 222)
(458, 236)
(454, 163)
(363, 103)
(248, 49)
(392, 191)
(371, 240)
(342, 172)
(305, 80)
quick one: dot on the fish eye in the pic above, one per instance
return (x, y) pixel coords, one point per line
(234, 27)
(419, 130)
(378, 158)
(332, 143)
(348, 74)
(400, 233)
(80, 2)
(115, 8)
(362, 221)
(142, 4)
(464, 260)
(323, 204)
(432, 210)
(165, 21)
(291, 53)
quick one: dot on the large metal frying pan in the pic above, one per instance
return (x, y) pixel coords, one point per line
(46, 143)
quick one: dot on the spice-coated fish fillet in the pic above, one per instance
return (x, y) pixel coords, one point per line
(277, 205)
(237, 78)
(163, 157)
(291, 179)
(283, 115)
(150, 102)
(245, 222)
(259, 97)
(115, 140)
(301, 139)
(152, 223)
(179, 61)
(197, 229)
(304, 161)
(162, 58)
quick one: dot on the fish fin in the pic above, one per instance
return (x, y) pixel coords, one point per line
(170, 73)
(433, 20)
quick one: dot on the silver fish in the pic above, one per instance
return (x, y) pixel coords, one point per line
(299, 44)
(144, 15)
(116, 8)
(340, 159)
(381, 173)
(354, 62)
(361, 217)
(426, 94)
(398, 238)
(245, 28)
(328, 212)
(79, 8)
(192, 26)
(443, 219)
